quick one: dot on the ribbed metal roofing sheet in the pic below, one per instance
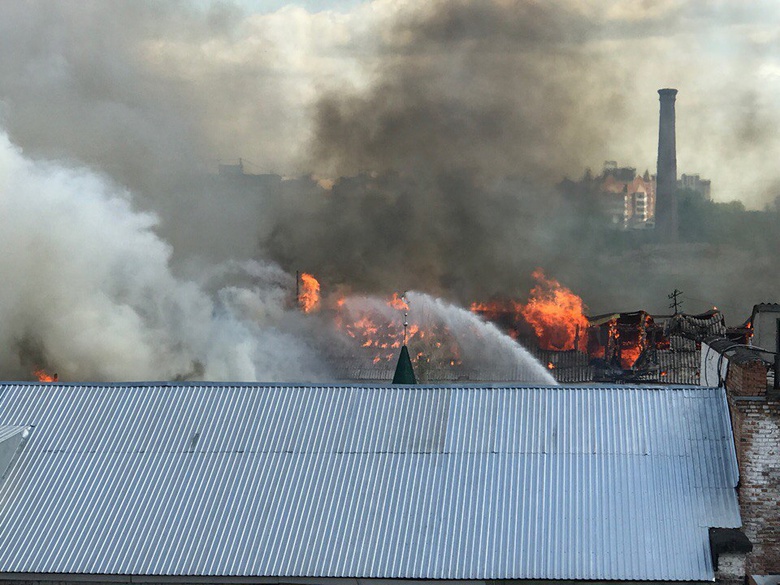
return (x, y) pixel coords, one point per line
(433, 482)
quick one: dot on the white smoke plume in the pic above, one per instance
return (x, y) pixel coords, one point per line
(87, 290)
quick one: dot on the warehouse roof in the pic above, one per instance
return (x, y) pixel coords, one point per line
(430, 482)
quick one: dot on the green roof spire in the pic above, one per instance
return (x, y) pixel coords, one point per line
(404, 373)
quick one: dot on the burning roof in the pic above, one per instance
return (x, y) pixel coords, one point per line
(556, 314)
(446, 343)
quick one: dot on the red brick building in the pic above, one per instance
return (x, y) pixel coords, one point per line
(754, 403)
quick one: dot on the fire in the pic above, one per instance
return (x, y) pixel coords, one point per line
(506, 314)
(43, 376)
(398, 303)
(379, 332)
(629, 355)
(309, 294)
(374, 331)
(556, 314)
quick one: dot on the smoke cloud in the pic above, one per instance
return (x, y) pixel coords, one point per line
(434, 134)
(473, 85)
(88, 290)
(479, 106)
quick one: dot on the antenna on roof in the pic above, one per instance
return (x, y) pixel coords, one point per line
(676, 304)
(406, 315)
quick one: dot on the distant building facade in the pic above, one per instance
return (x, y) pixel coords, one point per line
(629, 199)
(697, 184)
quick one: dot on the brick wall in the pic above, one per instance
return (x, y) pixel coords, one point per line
(747, 378)
(756, 420)
(731, 569)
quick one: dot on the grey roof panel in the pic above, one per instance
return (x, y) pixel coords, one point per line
(434, 482)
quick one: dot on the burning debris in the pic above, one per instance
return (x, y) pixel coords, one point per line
(308, 292)
(553, 317)
(378, 329)
(620, 338)
(612, 347)
(444, 342)
(556, 314)
(43, 376)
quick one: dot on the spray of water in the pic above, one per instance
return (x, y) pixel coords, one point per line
(444, 340)
(482, 344)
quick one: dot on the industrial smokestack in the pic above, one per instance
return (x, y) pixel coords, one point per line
(666, 178)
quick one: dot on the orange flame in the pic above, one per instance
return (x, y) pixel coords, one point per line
(398, 303)
(309, 295)
(381, 336)
(556, 314)
(629, 355)
(43, 376)
(504, 313)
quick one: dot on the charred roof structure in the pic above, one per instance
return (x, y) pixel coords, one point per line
(697, 327)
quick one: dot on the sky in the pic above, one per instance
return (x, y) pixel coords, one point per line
(265, 6)
(723, 56)
(183, 85)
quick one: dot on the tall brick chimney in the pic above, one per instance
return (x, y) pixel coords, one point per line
(666, 179)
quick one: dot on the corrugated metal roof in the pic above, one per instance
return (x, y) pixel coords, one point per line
(610, 483)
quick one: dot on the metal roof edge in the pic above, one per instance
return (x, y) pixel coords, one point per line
(462, 385)
(731, 444)
(12, 438)
(287, 580)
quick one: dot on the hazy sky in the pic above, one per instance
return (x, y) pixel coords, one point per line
(126, 85)
(310, 5)
(722, 55)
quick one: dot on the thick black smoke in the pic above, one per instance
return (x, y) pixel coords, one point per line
(502, 88)
(477, 108)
